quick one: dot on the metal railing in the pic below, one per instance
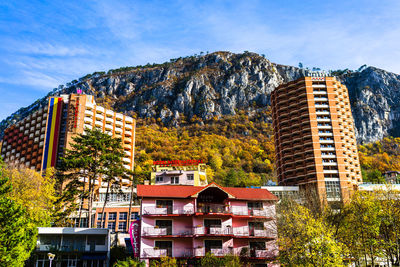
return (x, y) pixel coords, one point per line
(161, 231)
(213, 208)
(212, 230)
(153, 210)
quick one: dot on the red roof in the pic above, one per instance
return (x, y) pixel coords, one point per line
(185, 191)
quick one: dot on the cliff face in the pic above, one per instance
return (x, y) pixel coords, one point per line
(375, 99)
(221, 83)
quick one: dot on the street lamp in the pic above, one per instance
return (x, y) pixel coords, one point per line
(51, 257)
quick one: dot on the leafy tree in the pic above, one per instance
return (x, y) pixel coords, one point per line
(129, 262)
(165, 262)
(209, 260)
(360, 231)
(18, 231)
(305, 240)
(93, 156)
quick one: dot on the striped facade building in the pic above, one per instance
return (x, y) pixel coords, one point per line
(315, 141)
(39, 140)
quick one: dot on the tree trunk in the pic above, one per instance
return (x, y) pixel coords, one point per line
(104, 205)
(82, 200)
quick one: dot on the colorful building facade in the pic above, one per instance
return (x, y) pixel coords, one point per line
(183, 172)
(39, 140)
(186, 222)
(315, 141)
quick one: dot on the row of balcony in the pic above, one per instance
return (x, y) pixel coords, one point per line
(246, 252)
(207, 209)
(243, 231)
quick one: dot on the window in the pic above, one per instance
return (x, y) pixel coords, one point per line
(112, 216)
(100, 224)
(123, 216)
(97, 239)
(255, 205)
(134, 215)
(174, 180)
(190, 177)
(332, 189)
(111, 225)
(99, 216)
(122, 226)
(159, 179)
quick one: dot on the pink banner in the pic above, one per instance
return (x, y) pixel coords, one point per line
(134, 231)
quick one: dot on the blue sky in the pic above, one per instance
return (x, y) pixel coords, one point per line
(47, 43)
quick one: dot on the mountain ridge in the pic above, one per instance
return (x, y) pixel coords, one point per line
(197, 89)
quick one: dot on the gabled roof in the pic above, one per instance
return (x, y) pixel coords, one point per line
(186, 191)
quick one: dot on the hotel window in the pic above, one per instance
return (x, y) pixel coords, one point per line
(112, 216)
(190, 177)
(159, 179)
(123, 216)
(134, 215)
(111, 225)
(174, 180)
(122, 226)
(332, 189)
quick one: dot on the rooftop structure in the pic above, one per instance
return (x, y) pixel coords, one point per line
(315, 142)
(182, 172)
(186, 222)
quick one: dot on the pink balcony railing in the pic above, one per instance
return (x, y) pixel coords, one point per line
(267, 212)
(255, 253)
(246, 231)
(158, 253)
(161, 231)
(212, 230)
(201, 252)
(153, 210)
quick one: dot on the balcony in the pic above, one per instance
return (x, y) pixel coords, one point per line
(213, 208)
(158, 253)
(212, 230)
(245, 231)
(153, 210)
(245, 211)
(166, 231)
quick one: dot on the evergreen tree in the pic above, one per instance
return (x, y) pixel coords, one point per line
(93, 156)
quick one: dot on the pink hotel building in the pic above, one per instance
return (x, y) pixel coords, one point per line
(186, 222)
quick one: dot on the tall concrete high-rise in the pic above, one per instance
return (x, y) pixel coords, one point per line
(39, 140)
(314, 137)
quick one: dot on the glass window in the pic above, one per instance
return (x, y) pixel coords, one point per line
(190, 177)
(123, 215)
(175, 180)
(99, 215)
(134, 215)
(122, 226)
(97, 239)
(332, 189)
(159, 179)
(112, 216)
(111, 225)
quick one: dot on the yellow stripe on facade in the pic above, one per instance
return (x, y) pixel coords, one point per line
(53, 122)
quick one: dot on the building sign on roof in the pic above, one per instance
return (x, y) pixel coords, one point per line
(189, 162)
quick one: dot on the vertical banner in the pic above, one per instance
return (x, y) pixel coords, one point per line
(134, 231)
(52, 132)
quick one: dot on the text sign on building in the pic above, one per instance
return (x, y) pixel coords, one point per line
(189, 162)
(134, 231)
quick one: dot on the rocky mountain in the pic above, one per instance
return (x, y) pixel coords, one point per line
(201, 88)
